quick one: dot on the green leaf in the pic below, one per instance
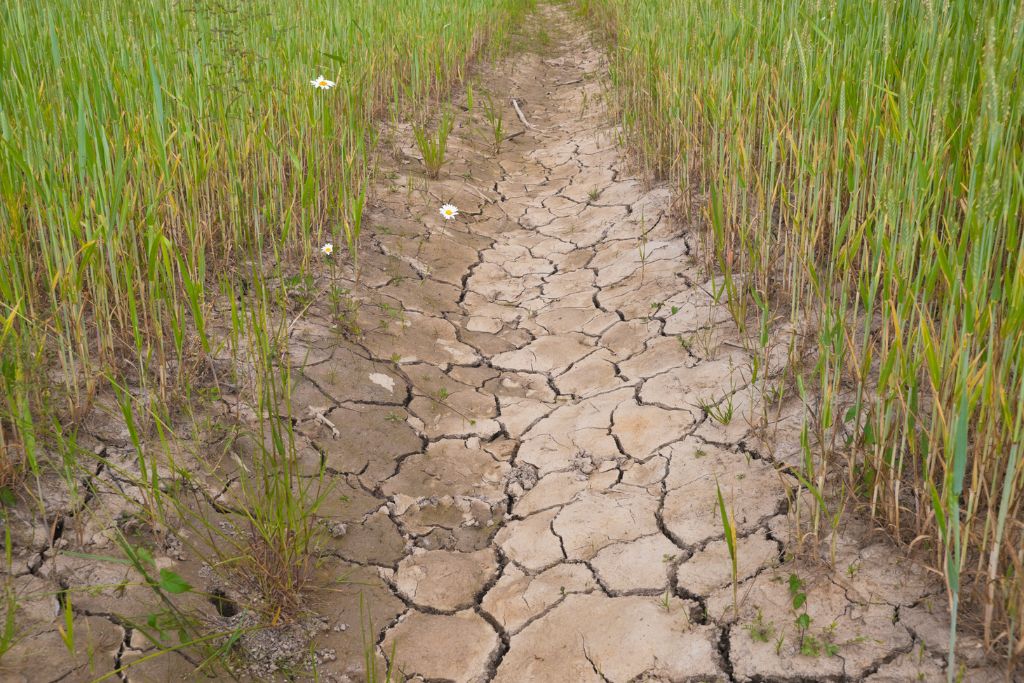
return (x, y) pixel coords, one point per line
(91, 556)
(172, 583)
(730, 532)
(798, 600)
(869, 435)
(145, 556)
(804, 621)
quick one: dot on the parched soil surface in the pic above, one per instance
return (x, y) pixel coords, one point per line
(522, 459)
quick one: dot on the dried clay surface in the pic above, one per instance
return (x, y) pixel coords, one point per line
(523, 477)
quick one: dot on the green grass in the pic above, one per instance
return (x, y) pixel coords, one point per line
(861, 162)
(433, 146)
(149, 149)
(729, 530)
(167, 175)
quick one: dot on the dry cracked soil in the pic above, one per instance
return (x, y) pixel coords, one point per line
(523, 484)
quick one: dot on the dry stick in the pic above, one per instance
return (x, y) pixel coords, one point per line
(522, 117)
(301, 313)
(487, 200)
(473, 188)
(319, 415)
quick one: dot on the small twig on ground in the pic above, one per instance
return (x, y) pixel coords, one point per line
(318, 415)
(487, 200)
(522, 117)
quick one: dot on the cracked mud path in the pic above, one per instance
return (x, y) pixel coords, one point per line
(542, 505)
(522, 482)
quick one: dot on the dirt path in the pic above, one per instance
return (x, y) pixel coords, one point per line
(526, 462)
(523, 414)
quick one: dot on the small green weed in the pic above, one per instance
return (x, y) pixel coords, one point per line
(719, 412)
(730, 540)
(496, 119)
(760, 630)
(434, 146)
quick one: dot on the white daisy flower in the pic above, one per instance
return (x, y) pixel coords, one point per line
(322, 83)
(449, 211)
(327, 249)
